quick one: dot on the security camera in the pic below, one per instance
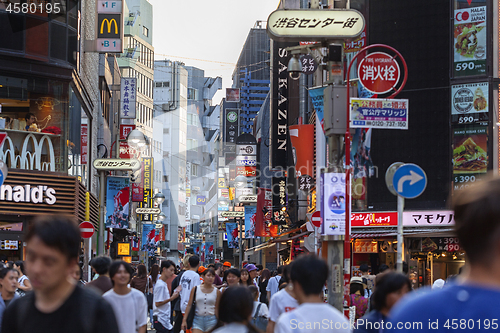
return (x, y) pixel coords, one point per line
(294, 67)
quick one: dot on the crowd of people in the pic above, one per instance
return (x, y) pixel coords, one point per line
(46, 293)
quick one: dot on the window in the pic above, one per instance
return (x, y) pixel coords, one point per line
(145, 31)
(192, 94)
(166, 131)
(165, 179)
(194, 170)
(192, 144)
(158, 84)
(166, 84)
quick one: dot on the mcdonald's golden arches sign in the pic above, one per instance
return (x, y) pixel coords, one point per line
(109, 26)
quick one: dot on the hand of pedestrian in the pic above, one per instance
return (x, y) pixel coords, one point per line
(175, 294)
(184, 325)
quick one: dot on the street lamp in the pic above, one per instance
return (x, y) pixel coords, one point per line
(162, 216)
(159, 198)
(137, 139)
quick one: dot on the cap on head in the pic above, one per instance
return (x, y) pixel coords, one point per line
(251, 267)
(201, 269)
(227, 264)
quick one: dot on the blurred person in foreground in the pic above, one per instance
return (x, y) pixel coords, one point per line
(308, 276)
(284, 300)
(57, 304)
(103, 283)
(471, 302)
(8, 287)
(390, 288)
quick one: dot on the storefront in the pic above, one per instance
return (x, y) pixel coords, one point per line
(25, 195)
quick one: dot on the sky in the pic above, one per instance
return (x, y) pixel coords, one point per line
(208, 34)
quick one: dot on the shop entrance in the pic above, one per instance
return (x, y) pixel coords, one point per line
(12, 238)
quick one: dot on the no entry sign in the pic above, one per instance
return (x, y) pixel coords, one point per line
(86, 229)
(379, 72)
(316, 219)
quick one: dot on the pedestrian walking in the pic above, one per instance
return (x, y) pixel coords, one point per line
(470, 303)
(188, 281)
(282, 301)
(24, 282)
(162, 299)
(233, 277)
(308, 275)
(390, 288)
(8, 287)
(357, 296)
(206, 298)
(129, 304)
(142, 281)
(218, 274)
(57, 304)
(273, 285)
(260, 313)
(263, 281)
(235, 311)
(176, 304)
(245, 278)
(103, 283)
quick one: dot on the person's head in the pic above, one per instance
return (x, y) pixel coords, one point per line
(194, 262)
(265, 275)
(391, 286)
(52, 249)
(226, 266)
(259, 269)
(280, 269)
(201, 269)
(255, 292)
(356, 286)
(10, 264)
(120, 273)
(30, 118)
(19, 266)
(167, 269)
(77, 273)
(244, 277)
(101, 264)
(185, 261)
(208, 276)
(364, 268)
(233, 277)
(218, 268)
(285, 277)
(476, 221)
(236, 305)
(308, 274)
(382, 268)
(141, 271)
(252, 271)
(8, 280)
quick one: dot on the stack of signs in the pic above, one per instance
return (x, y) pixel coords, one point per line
(246, 163)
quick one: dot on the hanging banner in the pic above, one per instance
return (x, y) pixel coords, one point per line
(263, 227)
(333, 212)
(150, 239)
(232, 235)
(117, 202)
(209, 251)
(317, 98)
(147, 201)
(250, 221)
(302, 138)
(196, 248)
(280, 198)
(128, 97)
(469, 42)
(203, 252)
(138, 186)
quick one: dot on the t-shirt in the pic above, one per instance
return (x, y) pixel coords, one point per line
(281, 302)
(313, 317)
(130, 309)
(161, 293)
(218, 280)
(273, 285)
(100, 285)
(452, 309)
(263, 311)
(189, 280)
(74, 315)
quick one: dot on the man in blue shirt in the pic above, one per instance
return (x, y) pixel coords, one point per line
(472, 303)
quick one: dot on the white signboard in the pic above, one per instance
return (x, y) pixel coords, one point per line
(334, 201)
(116, 164)
(148, 210)
(128, 97)
(246, 160)
(444, 218)
(469, 102)
(109, 6)
(246, 149)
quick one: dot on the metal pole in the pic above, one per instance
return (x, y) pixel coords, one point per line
(401, 205)
(240, 243)
(102, 207)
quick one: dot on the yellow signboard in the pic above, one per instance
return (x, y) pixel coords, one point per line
(127, 259)
(123, 249)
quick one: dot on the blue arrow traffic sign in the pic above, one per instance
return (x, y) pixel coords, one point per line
(409, 181)
(2, 178)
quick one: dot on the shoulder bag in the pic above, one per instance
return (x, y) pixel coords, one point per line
(149, 296)
(259, 321)
(192, 312)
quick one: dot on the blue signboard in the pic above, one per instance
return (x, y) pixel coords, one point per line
(409, 181)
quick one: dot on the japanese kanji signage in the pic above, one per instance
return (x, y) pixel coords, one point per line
(128, 97)
(279, 191)
(231, 125)
(469, 42)
(314, 24)
(379, 72)
(377, 219)
(84, 143)
(379, 113)
(309, 65)
(116, 164)
(428, 218)
(147, 201)
(125, 130)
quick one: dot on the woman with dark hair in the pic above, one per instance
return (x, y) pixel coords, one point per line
(390, 288)
(235, 311)
(24, 282)
(245, 278)
(264, 280)
(142, 281)
(154, 273)
(357, 298)
(207, 299)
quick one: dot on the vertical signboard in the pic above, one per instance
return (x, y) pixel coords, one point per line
(147, 200)
(279, 103)
(263, 226)
(128, 97)
(83, 143)
(188, 194)
(469, 42)
(231, 125)
(333, 206)
(117, 202)
(110, 26)
(469, 103)
(250, 221)
(138, 187)
(279, 198)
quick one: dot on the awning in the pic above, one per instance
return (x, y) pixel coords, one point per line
(373, 235)
(413, 232)
(281, 238)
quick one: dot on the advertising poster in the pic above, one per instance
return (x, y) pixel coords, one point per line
(232, 235)
(470, 154)
(117, 202)
(317, 98)
(263, 226)
(196, 248)
(250, 221)
(138, 186)
(333, 212)
(379, 113)
(469, 103)
(232, 94)
(203, 252)
(150, 239)
(209, 251)
(302, 138)
(469, 42)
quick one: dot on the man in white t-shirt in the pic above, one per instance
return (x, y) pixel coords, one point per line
(283, 301)
(162, 299)
(189, 280)
(129, 304)
(273, 284)
(308, 276)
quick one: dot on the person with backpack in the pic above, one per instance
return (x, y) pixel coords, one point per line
(57, 304)
(273, 284)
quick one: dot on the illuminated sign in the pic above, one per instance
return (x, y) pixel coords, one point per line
(123, 249)
(28, 193)
(109, 26)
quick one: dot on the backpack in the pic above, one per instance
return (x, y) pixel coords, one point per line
(259, 321)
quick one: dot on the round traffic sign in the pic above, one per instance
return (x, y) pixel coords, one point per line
(86, 229)
(316, 219)
(389, 175)
(379, 72)
(409, 181)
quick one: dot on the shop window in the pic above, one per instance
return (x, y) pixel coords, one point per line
(12, 28)
(158, 84)
(58, 41)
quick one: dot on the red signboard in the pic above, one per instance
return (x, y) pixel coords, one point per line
(86, 229)
(378, 219)
(247, 171)
(138, 187)
(263, 226)
(125, 130)
(379, 72)
(316, 219)
(83, 143)
(127, 152)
